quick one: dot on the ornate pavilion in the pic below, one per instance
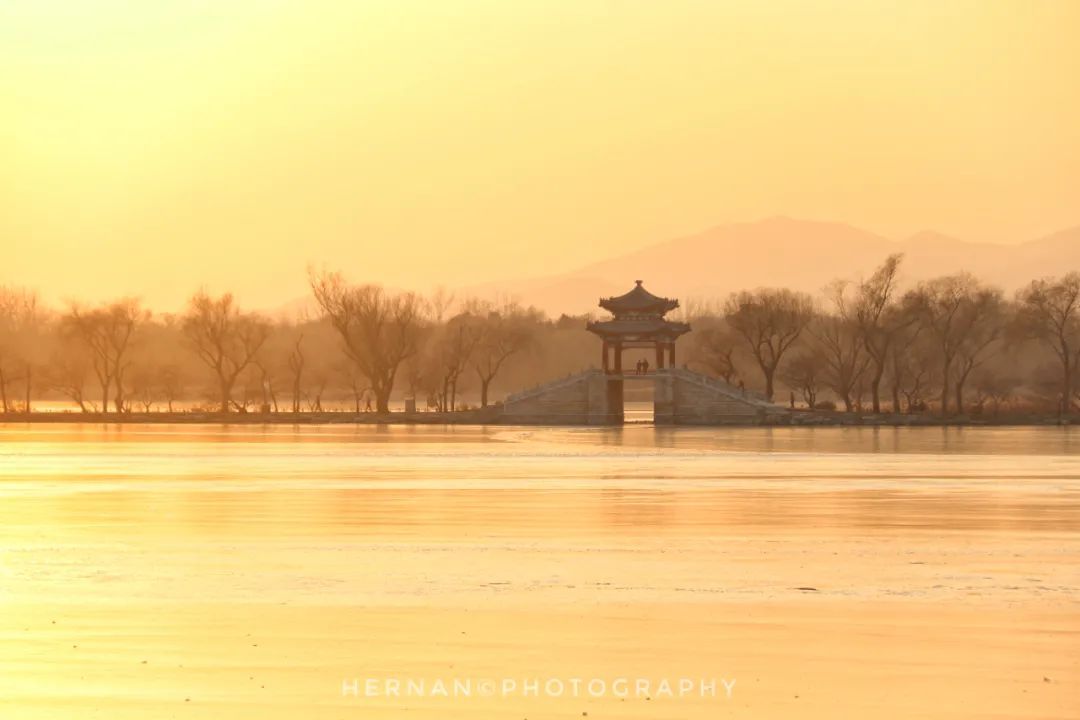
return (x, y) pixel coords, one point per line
(638, 323)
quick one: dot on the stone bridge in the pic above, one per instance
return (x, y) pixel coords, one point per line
(680, 397)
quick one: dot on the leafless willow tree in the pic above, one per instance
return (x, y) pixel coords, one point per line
(1049, 311)
(441, 301)
(803, 374)
(21, 320)
(451, 352)
(694, 308)
(266, 375)
(713, 346)
(67, 371)
(143, 385)
(108, 332)
(842, 349)
(295, 362)
(170, 379)
(910, 367)
(994, 388)
(224, 338)
(502, 332)
(959, 313)
(982, 341)
(354, 382)
(880, 318)
(770, 321)
(378, 330)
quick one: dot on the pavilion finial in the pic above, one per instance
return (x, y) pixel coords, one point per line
(639, 282)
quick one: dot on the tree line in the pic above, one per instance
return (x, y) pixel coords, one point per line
(216, 356)
(950, 345)
(870, 346)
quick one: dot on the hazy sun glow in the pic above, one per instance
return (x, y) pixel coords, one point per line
(149, 147)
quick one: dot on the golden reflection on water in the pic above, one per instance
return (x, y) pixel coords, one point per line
(600, 550)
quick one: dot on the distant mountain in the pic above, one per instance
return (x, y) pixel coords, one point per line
(784, 252)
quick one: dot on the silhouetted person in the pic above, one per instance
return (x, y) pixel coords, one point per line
(644, 367)
(792, 399)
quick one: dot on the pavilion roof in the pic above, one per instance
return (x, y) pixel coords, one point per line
(638, 301)
(638, 328)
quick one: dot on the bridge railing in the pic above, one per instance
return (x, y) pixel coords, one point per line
(725, 387)
(549, 385)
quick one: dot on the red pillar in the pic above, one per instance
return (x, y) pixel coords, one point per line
(605, 356)
(671, 354)
(659, 356)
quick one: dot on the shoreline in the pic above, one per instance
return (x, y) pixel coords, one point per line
(491, 416)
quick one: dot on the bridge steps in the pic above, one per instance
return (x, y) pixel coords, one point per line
(581, 399)
(681, 397)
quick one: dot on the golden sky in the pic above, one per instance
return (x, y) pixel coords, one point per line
(149, 147)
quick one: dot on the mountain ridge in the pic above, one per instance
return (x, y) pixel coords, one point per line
(788, 252)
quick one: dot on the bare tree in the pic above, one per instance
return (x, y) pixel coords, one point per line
(880, 319)
(143, 381)
(425, 376)
(501, 333)
(996, 388)
(317, 382)
(170, 378)
(953, 310)
(248, 392)
(224, 338)
(714, 348)
(841, 346)
(770, 321)
(1050, 312)
(295, 363)
(108, 332)
(21, 318)
(89, 327)
(917, 375)
(909, 364)
(803, 373)
(451, 350)
(441, 302)
(842, 355)
(68, 369)
(266, 385)
(378, 331)
(985, 330)
(353, 381)
(416, 370)
(695, 308)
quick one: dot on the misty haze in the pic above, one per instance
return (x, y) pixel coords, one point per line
(463, 360)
